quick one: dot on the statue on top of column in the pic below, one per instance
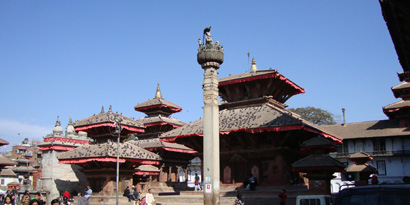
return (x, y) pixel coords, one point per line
(207, 31)
(207, 42)
(210, 53)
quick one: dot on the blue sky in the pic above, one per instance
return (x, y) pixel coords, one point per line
(62, 58)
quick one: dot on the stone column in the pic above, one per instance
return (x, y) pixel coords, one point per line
(161, 173)
(186, 174)
(210, 57)
(169, 174)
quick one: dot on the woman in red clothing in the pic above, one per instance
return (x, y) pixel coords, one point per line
(66, 197)
(282, 197)
(66, 194)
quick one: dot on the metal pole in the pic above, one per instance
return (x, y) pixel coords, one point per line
(118, 161)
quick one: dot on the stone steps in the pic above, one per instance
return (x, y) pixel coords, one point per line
(262, 195)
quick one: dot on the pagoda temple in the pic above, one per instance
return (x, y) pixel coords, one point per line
(258, 135)
(157, 120)
(362, 167)
(98, 159)
(400, 110)
(318, 166)
(55, 177)
(175, 157)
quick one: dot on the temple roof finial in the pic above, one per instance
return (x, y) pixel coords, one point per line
(70, 128)
(58, 121)
(158, 93)
(110, 109)
(102, 109)
(253, 67)
(57, 128)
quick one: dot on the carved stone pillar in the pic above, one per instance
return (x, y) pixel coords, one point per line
(210, 57)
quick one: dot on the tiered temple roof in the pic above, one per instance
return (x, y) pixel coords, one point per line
(101, 127)
(157, 106)
(174, 156)
(360, 159)
(318, 160)
(157, 120)
(396, 15)
(400, 109)
(258, 84)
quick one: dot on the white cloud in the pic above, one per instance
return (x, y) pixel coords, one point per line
(9, 130)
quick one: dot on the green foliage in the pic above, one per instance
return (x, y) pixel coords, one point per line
(315, 115)
(130, 137)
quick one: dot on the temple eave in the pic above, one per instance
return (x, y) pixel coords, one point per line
(258, 130)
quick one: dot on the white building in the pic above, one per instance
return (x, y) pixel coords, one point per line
(55, 177)
(7, 176)
(385, 140)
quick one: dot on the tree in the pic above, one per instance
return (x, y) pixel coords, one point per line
(315, 115)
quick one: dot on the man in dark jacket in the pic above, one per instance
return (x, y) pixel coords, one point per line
(282, 197)
(40, 198)
(127, 193)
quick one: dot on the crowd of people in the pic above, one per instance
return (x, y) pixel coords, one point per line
(136, 197)
(11, 198)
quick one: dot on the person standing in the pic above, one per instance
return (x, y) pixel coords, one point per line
(149, 198)
(197, 183)
(139, 200)
(282, 197)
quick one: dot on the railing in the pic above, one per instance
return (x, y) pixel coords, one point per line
(375, 153)
(401, 152)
